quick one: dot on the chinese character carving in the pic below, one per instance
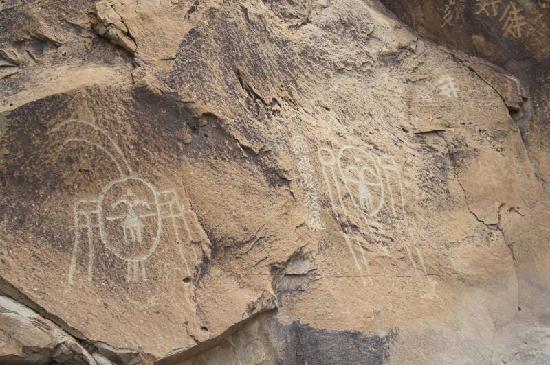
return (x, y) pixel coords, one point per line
(447, 86)
(513, 21)
(454, 11)
(487, 7)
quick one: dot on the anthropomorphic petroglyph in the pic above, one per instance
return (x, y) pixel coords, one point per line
(360, 183)
(131, 221)
(357, 175)
(128, 214)
(305, 170)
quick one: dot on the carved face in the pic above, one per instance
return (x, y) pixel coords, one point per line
(129, 218)
(361, 175)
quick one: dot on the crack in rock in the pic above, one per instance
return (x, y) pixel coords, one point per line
(31, 338)
(109, 24)
(67, 342)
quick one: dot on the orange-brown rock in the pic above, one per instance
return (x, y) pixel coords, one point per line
(268, 182)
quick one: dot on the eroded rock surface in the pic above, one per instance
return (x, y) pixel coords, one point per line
(263, 182)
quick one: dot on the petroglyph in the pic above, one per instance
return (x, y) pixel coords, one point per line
(353, 174)
(447, 86)
(509, 14)
(360, 183)
(513, 21)
(128, 215)
(454, 12)
(305, 169)
(487, 7)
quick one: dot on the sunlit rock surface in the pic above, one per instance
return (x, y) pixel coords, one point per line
(272, 182)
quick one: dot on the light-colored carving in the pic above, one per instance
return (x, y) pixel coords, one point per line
(359, 183)
(355, 175)
(431, 293)
(447, 86)
(454, 12)
(129, 213)
(513, 21)
(305, 169)
(487, 7)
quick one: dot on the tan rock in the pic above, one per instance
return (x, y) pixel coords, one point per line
(26, 337)
(264, 182)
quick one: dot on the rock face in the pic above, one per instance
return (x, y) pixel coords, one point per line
(269, 182)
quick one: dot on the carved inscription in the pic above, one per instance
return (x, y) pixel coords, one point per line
(453, 12)
(487, 7)
(447, 86)
(128, 215)
(364, 186)
(512, 21)
(509, 14)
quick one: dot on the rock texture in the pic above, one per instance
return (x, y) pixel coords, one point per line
(269, 182)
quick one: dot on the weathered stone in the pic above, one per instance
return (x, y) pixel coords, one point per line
(110, 25)
(267, 182)
(27, 338)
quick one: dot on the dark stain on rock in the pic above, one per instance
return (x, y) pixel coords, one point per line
(28, 175)
(307, 345)
(433, 177)
(288, 344)
(295, 275)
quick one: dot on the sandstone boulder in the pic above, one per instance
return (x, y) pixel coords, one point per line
(265, 182)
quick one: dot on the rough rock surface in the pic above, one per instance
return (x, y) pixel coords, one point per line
(270, 182)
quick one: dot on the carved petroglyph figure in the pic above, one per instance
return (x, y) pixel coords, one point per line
(447, 86)
(513, 21)
(305, 169)
(129, 213)
(359, 183)
(131, 221)
(487, 7)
